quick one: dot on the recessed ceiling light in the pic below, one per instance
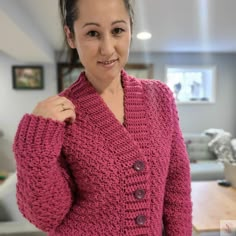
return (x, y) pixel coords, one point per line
(144, 35)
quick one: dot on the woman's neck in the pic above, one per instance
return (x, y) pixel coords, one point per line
(106, 87)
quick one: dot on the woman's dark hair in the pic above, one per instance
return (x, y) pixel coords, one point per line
(70, 13)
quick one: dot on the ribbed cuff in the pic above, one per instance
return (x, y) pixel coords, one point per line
(37, 134)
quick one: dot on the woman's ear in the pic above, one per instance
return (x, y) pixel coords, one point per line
(69, 37)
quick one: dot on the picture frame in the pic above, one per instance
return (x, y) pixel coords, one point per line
(27, 77)
(68, 73)
(141, 70)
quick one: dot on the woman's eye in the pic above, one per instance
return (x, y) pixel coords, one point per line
(117, 31)
(93, 33)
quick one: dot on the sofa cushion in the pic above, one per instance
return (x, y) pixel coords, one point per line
(19, 229)
(8, 206)
(207, 170)
(197, 147)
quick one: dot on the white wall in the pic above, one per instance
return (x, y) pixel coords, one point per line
(197, 118)
(15, 103)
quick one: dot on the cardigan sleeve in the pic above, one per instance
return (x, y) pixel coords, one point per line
(177, 216)
(44, 186)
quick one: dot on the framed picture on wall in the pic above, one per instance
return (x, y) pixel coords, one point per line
(68, 74)
(27, 77)
(144, 71)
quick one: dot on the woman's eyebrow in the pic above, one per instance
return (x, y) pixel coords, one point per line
(98, 25)
(119, 21)
(91, 23)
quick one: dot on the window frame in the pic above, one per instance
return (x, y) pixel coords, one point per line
(196, 67)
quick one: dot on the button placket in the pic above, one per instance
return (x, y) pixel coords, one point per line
(139, 194)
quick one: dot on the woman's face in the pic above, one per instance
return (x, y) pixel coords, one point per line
(102, 36)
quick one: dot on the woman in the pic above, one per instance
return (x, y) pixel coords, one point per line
(106, 157)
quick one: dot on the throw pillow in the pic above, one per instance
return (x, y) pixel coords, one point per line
(221, 146)
(212, 132)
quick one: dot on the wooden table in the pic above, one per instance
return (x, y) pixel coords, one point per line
(211, 204)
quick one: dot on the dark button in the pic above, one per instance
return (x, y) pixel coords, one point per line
(139, 193)
(140, 220)
(139, 166)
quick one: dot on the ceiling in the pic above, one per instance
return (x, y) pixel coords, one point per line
(31, 31)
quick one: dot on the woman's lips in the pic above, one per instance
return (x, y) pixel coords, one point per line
(107, 62)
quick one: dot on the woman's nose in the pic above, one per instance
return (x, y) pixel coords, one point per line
(107, 46)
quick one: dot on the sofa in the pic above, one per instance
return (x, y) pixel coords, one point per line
(12, 223)
(203, 162)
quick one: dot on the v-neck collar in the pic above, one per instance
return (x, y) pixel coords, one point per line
(102, 117)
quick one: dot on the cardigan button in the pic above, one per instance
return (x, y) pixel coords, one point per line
(139, 166)
(139, 194)
(140, 220)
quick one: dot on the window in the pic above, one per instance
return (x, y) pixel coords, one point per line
(191, 84)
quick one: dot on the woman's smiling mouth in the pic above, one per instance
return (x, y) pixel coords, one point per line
(107, 62)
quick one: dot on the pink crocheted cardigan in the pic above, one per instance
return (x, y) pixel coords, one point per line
(97, 177)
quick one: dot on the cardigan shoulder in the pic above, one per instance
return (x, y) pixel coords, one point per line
(152, 87)
(159, 100)
(155, 92)
(158, 88)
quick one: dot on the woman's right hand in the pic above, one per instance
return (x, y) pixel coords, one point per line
(57, 108)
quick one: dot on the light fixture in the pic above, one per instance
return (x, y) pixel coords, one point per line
(144, 35)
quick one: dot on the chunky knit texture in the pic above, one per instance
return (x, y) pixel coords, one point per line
(81, 179)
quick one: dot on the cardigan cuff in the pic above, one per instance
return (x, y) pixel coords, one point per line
(38, 134)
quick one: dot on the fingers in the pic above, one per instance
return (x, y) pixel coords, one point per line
(64, 100)
(57, 108)
(69, 116)
(60, 100)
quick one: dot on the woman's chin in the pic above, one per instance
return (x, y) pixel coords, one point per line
(110, 70)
